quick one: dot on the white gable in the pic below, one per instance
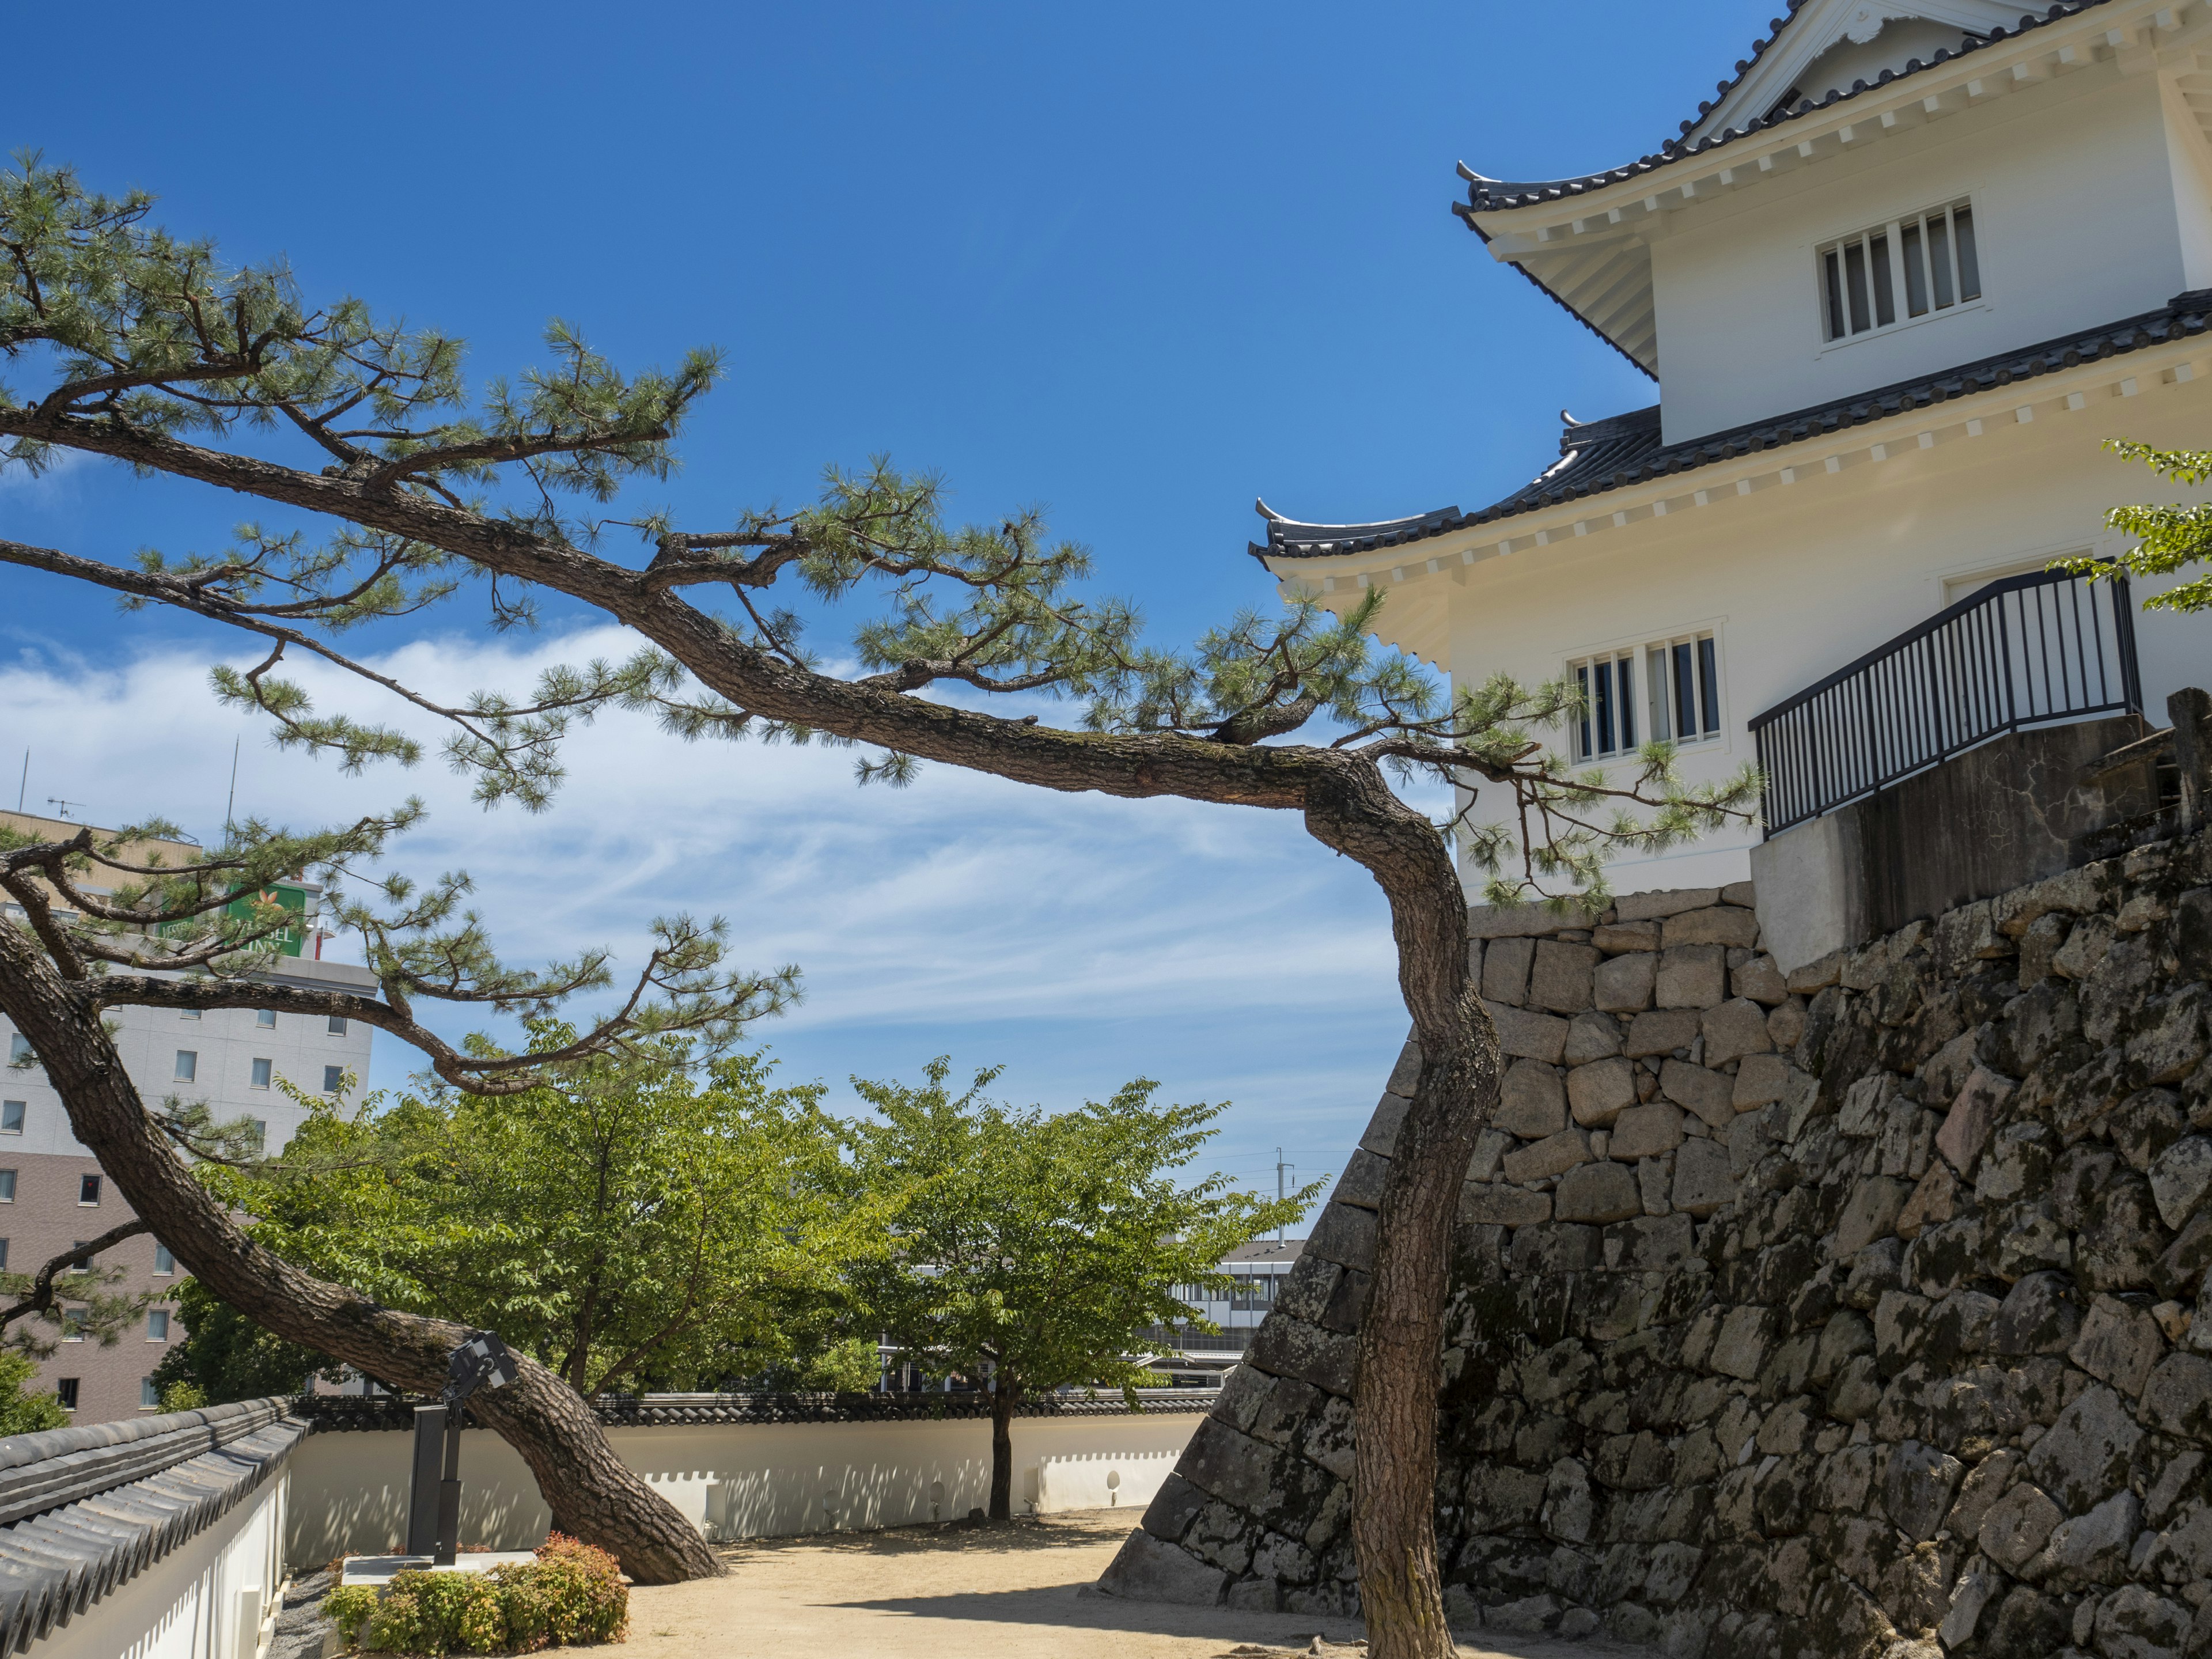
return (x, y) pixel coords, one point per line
(1829, 44)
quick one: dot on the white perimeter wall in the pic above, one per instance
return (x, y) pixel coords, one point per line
(750, 1480)
(213, 1599)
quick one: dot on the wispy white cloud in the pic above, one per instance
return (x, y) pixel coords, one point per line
(1082, 940)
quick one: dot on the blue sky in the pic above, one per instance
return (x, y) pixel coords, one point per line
(1140, 264)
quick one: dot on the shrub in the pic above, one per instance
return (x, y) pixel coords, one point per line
(571, 1594)
(350, 1607)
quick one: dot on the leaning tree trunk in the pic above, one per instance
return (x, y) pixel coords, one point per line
(1401, 1343)
(593, 1495)
(1005, 1391)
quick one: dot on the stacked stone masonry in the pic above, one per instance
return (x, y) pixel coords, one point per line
(1863, 1310)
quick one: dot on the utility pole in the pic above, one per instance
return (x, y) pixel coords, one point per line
(1280, 1189)
(25, 784)
(232, 799)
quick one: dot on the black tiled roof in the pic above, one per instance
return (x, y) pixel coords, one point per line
(1597, 456)
(1490, 195)
(329, 1412)
(94, 1507)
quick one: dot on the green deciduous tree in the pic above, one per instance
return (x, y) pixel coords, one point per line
(1034, 1248)
(148, 350)
(225, 1356)
(21, 1413)
(631, 1224)
(2170, 538)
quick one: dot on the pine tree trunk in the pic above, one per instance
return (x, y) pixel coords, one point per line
(1005, 1391)
(1401, 1343)
(593, 1495)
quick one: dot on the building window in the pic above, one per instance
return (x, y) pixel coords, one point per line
(165, 1259)
(257, 1130)
(157, 1324)
(188, 1065)
(1908, 268)
(1607, 688)
(1254, 1293)
(188, 1013)
(333, 1079)
(1674, 696)
(66, 1392)
(73, 1327)
(18, 1051)
(149, 1395)
(7, 1186)
(3, 1255)
(87, 1191)
(261, 1070)
(12, 1112)
(265, 1018)
(337, 1025)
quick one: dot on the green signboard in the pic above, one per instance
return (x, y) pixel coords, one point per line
(294, 899)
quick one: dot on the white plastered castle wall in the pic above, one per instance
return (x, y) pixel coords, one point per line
(2073, 183)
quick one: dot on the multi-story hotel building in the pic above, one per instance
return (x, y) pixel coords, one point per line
(53, 1193)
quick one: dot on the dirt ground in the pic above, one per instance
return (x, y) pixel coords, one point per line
(934, 1593)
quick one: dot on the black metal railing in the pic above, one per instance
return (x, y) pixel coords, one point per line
(2021, 652)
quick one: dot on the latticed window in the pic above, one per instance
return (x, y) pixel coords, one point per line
(1892, 273)
(1673, 693)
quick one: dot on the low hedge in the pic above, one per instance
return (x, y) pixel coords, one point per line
(571, 1594)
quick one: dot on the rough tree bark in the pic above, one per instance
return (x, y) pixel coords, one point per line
(593, 1495)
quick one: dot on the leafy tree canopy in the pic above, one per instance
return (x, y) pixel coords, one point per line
(2169, 537)
(635, 1224)
(1038, 1246)
(225, 1356)
(21, 1413)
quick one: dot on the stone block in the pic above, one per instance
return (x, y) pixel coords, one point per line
(1972, 1115)
(1561, 977)
(2038, 1315)
(1702, 1183)
(1232, 1465)
(1979, 1492)
(1292, 1348)
(1918, 1484)
(1361, 1183)
(1661, 1032)
(1592, 1037)
(1655, 1179)
(2181, 1179)
(1623, 984)
(1785, 1025)
(1501, 1204)
(2092, 1548)
(1691, 976)
(1615, 937)
(1146, 1569)
(2018, 1526)
(1533, 921)
(2177, 1399)
(1722, 924)
(1554, 1155)
(1525, 1035)
(2119, 1343)
(1761, 981)
(1532, 1101)
(1934, 1202)
(1598, 1193)
(1817, 974)
(1505, 965)
(1647, 907)
(1710, 1095)
(1406, 1072)
(1747, 1335)
(1646, 1132)
(1382, 1128)
(1761, 1080)
(1736, 1029)
(1870, 1213)
(1345, 1235)
(1489, 1149)
(2135, 1623)
(1599, 1093)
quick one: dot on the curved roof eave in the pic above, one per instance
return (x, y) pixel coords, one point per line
(1486, 195)
(1598, 457)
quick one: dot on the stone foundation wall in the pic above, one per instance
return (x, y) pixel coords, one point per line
(1815, 1315)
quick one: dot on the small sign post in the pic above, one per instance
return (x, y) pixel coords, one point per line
(433, 1503)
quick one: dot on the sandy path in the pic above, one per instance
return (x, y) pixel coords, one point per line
(929, 1593)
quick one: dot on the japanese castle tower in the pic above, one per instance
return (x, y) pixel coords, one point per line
(1896, 285)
